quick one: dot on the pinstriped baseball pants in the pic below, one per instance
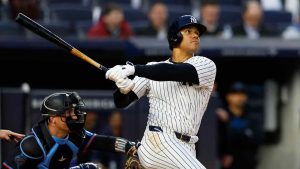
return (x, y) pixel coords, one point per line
(161, 150)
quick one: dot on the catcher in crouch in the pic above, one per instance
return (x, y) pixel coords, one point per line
(59, 140)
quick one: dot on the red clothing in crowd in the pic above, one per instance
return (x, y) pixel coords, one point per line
(100, 30)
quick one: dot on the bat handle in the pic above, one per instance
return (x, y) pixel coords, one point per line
(103, 68)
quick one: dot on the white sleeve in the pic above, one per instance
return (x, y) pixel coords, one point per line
(141, 86)
(206, 70)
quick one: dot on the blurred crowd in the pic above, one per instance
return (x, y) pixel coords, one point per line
(240, 129)
(123, 19)
(113, 127)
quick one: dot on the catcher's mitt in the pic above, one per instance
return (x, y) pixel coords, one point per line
(133, 162)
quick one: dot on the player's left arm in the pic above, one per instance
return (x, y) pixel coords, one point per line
(140, 89)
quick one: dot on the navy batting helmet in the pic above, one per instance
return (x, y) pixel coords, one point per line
(174, 35)
(57, 103)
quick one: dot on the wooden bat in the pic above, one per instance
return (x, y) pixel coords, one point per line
(45, 33)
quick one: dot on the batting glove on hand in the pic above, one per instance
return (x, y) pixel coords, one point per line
(125, 85)
(114, 73)
(119, 72)
(128, 69)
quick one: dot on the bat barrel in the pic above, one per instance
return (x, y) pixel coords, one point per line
(42, 31)
(45, 33)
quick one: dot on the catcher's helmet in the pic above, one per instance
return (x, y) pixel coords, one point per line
(174, 35)
(57, 103)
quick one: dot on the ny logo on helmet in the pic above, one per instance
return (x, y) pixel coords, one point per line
(193, 19)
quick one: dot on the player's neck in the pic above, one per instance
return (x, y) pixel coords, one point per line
(180, 55)
(56, 132)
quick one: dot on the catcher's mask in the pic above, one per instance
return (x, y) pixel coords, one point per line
(56, 105)
(174, 34)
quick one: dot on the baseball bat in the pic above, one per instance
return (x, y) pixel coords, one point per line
(50, 36)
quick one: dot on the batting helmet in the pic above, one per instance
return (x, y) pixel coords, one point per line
(174, 35)
(57, 103)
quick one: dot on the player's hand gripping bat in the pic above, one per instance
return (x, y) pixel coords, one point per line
(45, 33)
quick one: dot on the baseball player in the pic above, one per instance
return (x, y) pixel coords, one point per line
(59, 140)
(178, 90)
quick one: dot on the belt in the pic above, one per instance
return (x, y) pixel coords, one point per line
(180, 136)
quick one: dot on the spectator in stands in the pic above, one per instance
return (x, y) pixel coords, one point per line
(114, 128)
(210, 12)
(157, 27)
(292, 31)
(30, 8)
(242, 131)
(112, 24)
(10, 136)
(252, 27)
(91, 121)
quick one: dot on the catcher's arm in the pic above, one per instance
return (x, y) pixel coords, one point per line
(111, 144)
(114, 144)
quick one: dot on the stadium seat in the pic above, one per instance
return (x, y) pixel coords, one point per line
(231, 15)
(71, 2)
(175, 2)
(120, 2)
(231, 2)
(82, 28)
(10, 29)
(70, 14)
(133, 15)
(1, 12)
(178, 10)
(63, 30)
(278, 20)
(139, 24)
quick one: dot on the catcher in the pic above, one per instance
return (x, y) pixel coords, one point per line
(59, 140)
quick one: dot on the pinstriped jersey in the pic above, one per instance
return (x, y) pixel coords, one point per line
(175, 105)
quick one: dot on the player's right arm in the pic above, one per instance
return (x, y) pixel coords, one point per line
(27, 156)
(194, 71)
